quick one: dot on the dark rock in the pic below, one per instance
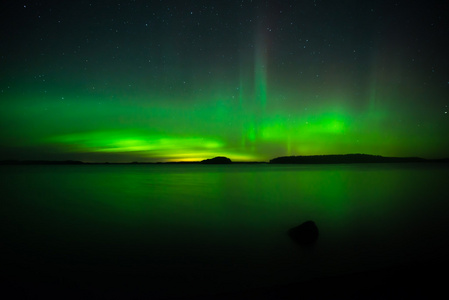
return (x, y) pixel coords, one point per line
(217, 160)
(304, 234)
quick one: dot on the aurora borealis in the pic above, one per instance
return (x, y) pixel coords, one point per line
(125, 81)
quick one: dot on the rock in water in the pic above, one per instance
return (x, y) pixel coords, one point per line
(304, 234)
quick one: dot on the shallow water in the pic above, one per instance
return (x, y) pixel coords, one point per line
(193, 229)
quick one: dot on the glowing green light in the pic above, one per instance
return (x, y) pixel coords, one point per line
(260, 71)
(172, 148)
(222, 122)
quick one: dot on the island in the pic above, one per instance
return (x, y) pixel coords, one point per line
(343, 159)
(217, 160)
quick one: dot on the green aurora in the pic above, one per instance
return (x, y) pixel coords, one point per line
(258, 92)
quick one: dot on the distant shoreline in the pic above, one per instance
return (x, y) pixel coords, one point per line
(349, 159)
(309, 159)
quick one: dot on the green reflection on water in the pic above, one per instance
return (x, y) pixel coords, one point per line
(227, 219)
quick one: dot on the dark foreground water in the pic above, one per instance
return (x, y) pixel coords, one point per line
(177, 230)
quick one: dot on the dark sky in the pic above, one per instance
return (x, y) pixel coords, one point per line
(251, 80)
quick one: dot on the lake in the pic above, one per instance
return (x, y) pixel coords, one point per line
(177, 230)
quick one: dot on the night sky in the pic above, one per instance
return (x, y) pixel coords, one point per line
(125, 81)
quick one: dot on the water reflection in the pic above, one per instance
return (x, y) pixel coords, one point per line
(224, 222)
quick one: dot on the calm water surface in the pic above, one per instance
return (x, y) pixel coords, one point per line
(206, 229)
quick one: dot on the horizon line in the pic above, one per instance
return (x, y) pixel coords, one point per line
(72, 161)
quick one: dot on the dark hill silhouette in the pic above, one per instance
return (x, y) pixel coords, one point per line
(343, 159)
(217, 160)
